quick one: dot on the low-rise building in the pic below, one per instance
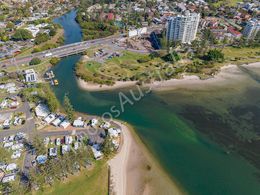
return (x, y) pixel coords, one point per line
(30, 76)
(49, 118)
(11, 167)
(65, 124)
(97, 154)
(42, 110)
(65, 149)
(113, 132)
(105, 125)
(6, 124)
(57, 141)
(78, 123)
(93, 122)
(16, 154)
(8, 144)
(53, 152)
(8, 178)
(57, 121)
(17, 146)
(68, 140)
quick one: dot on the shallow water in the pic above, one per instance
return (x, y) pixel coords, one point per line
(190, 132)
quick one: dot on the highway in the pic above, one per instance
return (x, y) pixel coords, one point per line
(69, 49)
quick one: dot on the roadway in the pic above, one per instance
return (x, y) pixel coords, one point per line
(69, 49)
(60, 52)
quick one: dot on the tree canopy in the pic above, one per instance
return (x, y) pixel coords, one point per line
(22, 34)
(68, 108)
(35, 61)
(215, 55)
(41, 37)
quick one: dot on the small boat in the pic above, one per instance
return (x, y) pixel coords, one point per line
(56, 82)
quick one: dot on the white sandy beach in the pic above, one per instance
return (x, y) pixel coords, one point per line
(118, 165)
(96, 87)
(129, 173)
(227, 73)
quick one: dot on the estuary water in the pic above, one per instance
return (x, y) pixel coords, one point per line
(197, 135)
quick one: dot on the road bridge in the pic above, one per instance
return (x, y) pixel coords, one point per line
(66, 50)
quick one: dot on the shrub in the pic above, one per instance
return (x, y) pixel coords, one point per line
(35, 61)
(54, 60)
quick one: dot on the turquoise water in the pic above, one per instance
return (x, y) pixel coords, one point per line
(182, 139)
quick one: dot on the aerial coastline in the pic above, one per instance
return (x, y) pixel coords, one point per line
(226, 74)
(62, 77)
(134, 171)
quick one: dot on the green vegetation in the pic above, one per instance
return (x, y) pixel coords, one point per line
(131, 67)
(4, 36)
(107, 146)
(22, 35)
(241, 55)
(215, 55)
(172, 57)
(38, 144)
(5, 155)
(53, 42)
(58, 169)
(35, 61)
(94, 27)
(41, 92)
(91, 181)
(41, 38)
(44, 47)
(68, 108)
(224, 2)
(90, 72)
(54, 60)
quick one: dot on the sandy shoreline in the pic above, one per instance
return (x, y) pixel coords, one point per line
(134, 171)
(226, 73)
(95, 87)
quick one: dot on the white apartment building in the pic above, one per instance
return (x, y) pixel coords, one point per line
(30, 75)
(183, 28)
(251, 29)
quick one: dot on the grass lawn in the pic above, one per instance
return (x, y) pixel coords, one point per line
(39, 68)
(241, 55)
(227, 2)
(92, 66)
(130, 66)
(94, 182)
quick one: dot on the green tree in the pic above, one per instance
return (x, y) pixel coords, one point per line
(38, 144)
(54, 60)
(41, 37)
(68, 108)
(50, 98)
(10, 25)
(22, 34)
(107, 146)
(53, 32)
(35, 61)
(215, 55)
